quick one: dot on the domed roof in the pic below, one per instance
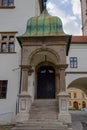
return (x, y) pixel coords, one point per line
(44, 25)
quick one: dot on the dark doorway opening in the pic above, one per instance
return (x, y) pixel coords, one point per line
(75, 105)
(46, 82)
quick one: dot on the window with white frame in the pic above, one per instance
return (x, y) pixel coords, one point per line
(73, 62)
(3, 89)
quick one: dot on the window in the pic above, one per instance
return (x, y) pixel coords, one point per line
(10, 2)
(3, 47)
(83, 96)
(75, 96)
(73, 62)
(7, 3)
(11, 47)
(4, 3)
(70, 103)
(7, 42)
(69, 95)
(3, 88)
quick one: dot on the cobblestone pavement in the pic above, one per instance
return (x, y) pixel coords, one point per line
(79, 120)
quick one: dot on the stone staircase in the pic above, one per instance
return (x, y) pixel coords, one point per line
(43, 116)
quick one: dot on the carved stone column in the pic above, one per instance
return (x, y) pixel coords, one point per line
(24, 97)
(63, 114)
(25, 70)
(62, 80)
(60, 77)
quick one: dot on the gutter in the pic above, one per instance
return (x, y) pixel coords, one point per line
(69, 42)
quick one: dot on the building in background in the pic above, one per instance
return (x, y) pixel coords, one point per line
(84, 16)
(77, 99)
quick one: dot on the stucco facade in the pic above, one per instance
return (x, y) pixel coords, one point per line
(77, 99)
(13, 20)
(76, 77)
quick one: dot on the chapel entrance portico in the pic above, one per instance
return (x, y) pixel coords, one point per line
(48, 66)
(44, 49)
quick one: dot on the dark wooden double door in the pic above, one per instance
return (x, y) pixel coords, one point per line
(46, 82)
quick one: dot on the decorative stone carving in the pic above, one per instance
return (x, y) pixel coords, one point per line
(24, 98)
(63, 107)
(24, 107)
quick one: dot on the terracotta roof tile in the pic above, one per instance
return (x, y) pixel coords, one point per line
(79, 39)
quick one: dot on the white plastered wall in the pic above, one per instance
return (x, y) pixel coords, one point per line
(79, 51)
(13, 20)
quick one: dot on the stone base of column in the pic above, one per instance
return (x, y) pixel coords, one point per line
(66, 118)
(22, 117)
(63, 115)
(24, 107)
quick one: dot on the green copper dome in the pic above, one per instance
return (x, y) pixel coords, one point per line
(44, 25)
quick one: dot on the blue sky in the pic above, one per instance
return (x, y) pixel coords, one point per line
(70, 13)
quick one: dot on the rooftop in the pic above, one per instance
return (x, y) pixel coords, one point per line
(79, 39)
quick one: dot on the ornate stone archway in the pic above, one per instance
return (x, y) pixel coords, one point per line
(45, 57)
(43, 54)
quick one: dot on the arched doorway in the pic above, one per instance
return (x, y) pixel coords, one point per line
(75, 105)
(46, 82)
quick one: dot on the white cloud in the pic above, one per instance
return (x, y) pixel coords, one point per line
(76, 7)
(64, 1)
(70, 24)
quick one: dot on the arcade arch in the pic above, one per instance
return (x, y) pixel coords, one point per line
(80, 83)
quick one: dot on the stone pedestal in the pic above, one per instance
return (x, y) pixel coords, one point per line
(24, 107)
(63, 108)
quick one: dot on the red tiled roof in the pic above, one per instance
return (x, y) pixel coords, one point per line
(80, 39)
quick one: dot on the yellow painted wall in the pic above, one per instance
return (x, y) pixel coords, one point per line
(76, 99)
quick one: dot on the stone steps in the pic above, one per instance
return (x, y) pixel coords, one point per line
(44, 109)
(43, 116)
(41, 126)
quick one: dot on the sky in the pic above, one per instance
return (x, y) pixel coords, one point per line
(70, 13)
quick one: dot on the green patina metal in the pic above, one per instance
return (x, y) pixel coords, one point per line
(44, 25)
